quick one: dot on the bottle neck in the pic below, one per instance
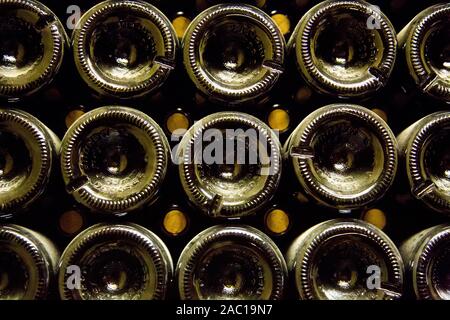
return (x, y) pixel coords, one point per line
(32, 46)
(345, 48)
(233, 53)
(427, 162)
(27, 154)
(114, 145)
(427, 256)
(327, 149)
(231, 162)
(425, 41)
(334, 261)
(116, 262)
(28, 263)
(231, 263)
(124, 49)
(204, 4)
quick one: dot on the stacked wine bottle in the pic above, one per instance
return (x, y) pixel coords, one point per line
(201, 150)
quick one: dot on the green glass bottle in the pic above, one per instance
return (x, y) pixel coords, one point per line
(32, 45)
(115, 262)
(344, 156)
(28, 154)
(114, 159)
(425, 42)
(231, 263)
(427, 260)
(344, 48)
(345, 259)
(229, 164)
(233, 53)
(28, 263)
(124, 49)
(425, 151)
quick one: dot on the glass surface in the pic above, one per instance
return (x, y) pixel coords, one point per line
(118, 160)
(348, 157)
(340, 268)
(233, 51)
(436, 161)
(438, 271)
(124, 48)
(227, 262)
(236, 179)
(437, 49)
(203, 4)
(232, 271)
(32, 41)
(116, 271)
(27, 263)
(344, 48)
(15, 163)
(14, 275)
(21, 47)
(117, 262)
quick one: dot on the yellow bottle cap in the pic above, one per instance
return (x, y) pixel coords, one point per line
(180, 24)
(175, 222)
(278, 119)
(72, 116)
(376, 217)
(177, 121)
(283, 22)
(71, 222)
(277, 221)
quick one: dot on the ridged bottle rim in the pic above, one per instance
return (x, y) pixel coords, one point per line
(143, 238)
(58, 37)
(336, 227)
(82, 126)
(18, 235)
(416, 172)
(423, 258)
(212, 87)
(41, 154)
(204, 4)
(187, 167)
(302, 139)
(90, 73)
(425, 78)
(248, 235)
(376, 79)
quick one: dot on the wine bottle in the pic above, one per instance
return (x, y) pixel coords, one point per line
(233, 53)
(32, 45)
(345, 259)
(114, 159)
(28, 263)
(229, 164)
(344, 156)
(124, 49)
(204, 4)
(427, 260)
(426, 154)
(28, 155)
(115, 262)
(231, 263)
(344, 48)
(425, 43)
